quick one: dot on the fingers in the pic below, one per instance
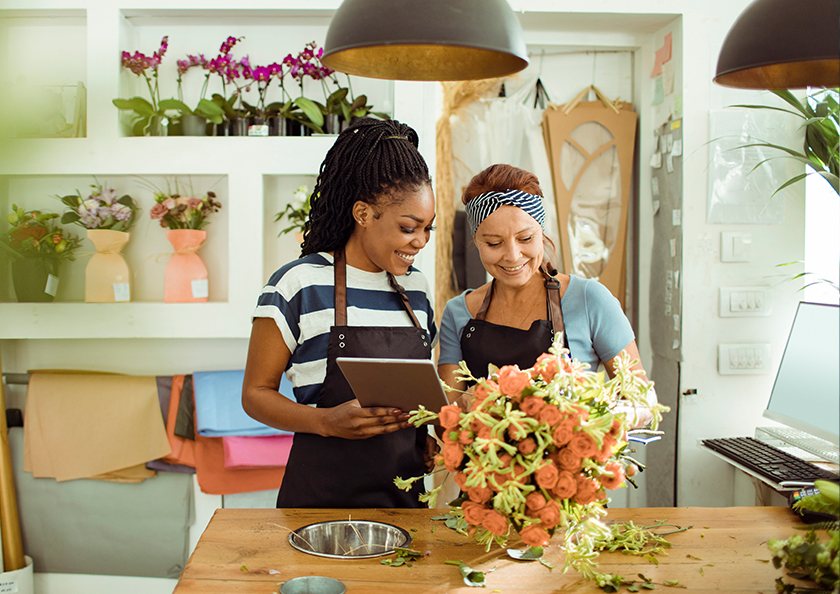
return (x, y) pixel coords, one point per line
(351, 421)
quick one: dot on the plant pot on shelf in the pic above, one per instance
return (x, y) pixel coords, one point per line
(185, 277)
(238, 127)
(257, 127)
(217, 129)
(334, 123)
(276, 126)
(193, 125)
(107, 278)
(295, 128)
(35, 279)
(158, 126)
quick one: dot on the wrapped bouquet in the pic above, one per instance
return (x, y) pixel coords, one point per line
(537, 452)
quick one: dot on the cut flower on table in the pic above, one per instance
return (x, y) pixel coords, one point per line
(538, 450)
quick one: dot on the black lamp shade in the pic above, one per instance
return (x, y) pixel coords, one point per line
(783, 44)
(425, 39)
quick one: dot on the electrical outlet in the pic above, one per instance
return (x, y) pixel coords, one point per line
(744, 302)
(744, 358)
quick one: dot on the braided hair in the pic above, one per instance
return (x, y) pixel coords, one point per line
(370, 161)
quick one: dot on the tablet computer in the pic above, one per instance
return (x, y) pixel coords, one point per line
(400, 383)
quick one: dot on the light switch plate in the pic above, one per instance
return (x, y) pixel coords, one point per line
(743, 358)
(744, 302)
(735, 246)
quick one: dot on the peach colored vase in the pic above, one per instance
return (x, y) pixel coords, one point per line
(185, 278)
(107, 279)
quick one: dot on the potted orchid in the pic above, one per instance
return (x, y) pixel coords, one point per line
(296, 212)
(184, 217)
(304, 115)
(194, 121)
(107, 219)
(37, 246)
(262, 76)
(232, 73)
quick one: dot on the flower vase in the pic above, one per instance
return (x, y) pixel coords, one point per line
(158, 126)
(107, 279)
(185, 277)
(35, 279)
(193, 125)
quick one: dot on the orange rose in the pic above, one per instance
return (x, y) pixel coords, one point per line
(581, 413)
(547, 475)
(550, 415)
(25, 232)
(465, 437)
(617, 478)
(484, 431)
(566, 486)
(547, 364)
(512, 380)
(481, 393)
(606, 449)
(550, 515)
(474, 512)
(479, 494)
(495, 522)
(534, 535)
(583, 445)
(518, 473)
(563, 433)
(452, 455)
(532, 406)
(527, 446)
(617, 428)
(461, 480)
(587, 490)
(450, 415)
(535, 501)
(568, 460)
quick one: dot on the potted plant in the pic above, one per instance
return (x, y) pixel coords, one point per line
(304, 115)
(296, 212)
(37, 246)
(150, 117)
(194, 121)
(184, 217)
(232, 72)
(107, 219)
(262, 76)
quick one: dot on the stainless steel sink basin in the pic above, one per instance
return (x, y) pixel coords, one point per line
(342, 539)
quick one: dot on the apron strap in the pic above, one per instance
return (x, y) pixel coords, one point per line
(340, 265)
(555, 313)
(404, 299)
(485, 305)
(340, 288)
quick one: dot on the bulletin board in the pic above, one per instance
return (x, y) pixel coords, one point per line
(666, 259)
(666, 305)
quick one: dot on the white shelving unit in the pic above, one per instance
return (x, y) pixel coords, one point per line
(253, 177)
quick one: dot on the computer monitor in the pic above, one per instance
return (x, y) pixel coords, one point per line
(806, 393)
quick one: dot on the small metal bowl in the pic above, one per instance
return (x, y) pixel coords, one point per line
(313, 584)
(346, 539)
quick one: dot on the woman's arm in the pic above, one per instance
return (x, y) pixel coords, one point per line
(268, 357)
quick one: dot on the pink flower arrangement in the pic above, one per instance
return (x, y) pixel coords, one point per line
(537, 451)
(175, 211)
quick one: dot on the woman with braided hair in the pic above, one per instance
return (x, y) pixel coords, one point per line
(372, 212)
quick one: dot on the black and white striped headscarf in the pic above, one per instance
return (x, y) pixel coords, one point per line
(483, 205)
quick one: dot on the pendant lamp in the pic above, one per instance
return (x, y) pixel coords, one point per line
(782, 44)
(425, 39)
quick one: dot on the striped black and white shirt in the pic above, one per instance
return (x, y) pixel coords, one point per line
(300, 298)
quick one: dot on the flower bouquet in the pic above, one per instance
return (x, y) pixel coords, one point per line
(107, 220)
(185, 277)
(537, 451)
(37, 247)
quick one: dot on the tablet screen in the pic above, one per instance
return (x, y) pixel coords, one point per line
(398, 383)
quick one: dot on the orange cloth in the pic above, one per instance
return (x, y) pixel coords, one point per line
(183, 450)
(83, 426)
(215, 479)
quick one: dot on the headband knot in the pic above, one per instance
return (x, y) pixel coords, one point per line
(483, 205)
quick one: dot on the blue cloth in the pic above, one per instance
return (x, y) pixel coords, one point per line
(596, 327)
(218, 405)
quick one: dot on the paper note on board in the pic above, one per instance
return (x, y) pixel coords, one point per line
(658, 91)
(663, 54)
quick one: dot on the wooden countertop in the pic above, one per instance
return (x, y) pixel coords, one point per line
(725, 551)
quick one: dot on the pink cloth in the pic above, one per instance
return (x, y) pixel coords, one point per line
(264, 451)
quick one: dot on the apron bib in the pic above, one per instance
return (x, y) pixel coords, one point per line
(332, 472)
(483, 342)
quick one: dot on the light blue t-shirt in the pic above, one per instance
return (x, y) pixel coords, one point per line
(596, 326)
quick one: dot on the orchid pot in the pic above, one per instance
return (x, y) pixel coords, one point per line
(193, 125)
(107, 277)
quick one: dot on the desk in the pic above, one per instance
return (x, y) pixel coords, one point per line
(729, 543)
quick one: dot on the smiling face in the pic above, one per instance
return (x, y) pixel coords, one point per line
(390, 234)
(510, 244)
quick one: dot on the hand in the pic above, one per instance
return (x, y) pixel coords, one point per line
(465, 400)
(350, 421)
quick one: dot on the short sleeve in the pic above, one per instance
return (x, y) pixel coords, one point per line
(455, 317)
(609, 327)
(281, 303)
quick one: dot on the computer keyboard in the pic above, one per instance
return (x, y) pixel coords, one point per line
(768, 461)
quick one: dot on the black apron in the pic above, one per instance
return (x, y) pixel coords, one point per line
(332, 472)
(483, 342)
